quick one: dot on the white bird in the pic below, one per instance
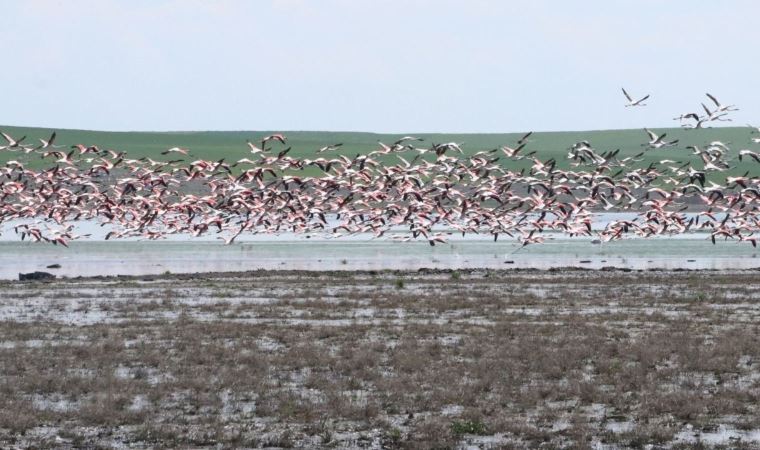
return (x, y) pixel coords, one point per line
(253, 148)
(632, 102)
(12, 143)
(714, 115)
(440, 148)
(656, 141)
(719, 144)
(699, 120)
(183, 151)
(720, 107)
(329, 147)
(48, 143)
(749, 153)
(512, 152)
(407, 138)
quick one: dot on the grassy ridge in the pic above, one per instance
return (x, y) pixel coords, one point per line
(214, 145)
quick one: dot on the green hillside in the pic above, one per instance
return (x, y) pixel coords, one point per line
(230, 145)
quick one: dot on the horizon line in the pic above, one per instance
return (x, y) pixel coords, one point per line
(56, 129)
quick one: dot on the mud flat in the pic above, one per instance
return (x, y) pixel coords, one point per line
(383, 359)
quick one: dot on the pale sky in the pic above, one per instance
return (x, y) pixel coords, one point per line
(383, 66)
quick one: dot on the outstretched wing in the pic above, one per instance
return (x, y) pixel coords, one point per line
(715, 100)
(652, 136)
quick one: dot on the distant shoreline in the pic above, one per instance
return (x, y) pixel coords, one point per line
(427, 272)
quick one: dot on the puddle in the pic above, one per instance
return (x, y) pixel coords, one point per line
(722, 435)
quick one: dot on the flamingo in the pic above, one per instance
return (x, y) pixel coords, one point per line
(632, 102)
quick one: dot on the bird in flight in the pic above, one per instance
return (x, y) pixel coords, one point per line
(183, 151)
(632, 102)
(656, 141)
(720, 107)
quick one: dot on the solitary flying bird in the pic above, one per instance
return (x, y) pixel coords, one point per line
(631, 102)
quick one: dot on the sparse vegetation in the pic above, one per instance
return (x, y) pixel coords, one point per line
(287, 359)
(460, 428)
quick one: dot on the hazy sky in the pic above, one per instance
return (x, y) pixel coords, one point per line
(386, 66)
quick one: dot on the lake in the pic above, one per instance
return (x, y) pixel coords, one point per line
(297, 252)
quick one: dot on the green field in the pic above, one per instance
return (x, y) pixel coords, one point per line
(214, 145)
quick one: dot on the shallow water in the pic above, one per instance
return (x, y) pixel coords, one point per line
(723, 435)
(90, 258)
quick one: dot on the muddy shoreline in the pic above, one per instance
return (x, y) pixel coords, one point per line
(383, 359)
(386, 272)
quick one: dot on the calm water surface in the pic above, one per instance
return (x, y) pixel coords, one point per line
(135, 257)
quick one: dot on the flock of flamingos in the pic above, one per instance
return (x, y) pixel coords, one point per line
(431, 190)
